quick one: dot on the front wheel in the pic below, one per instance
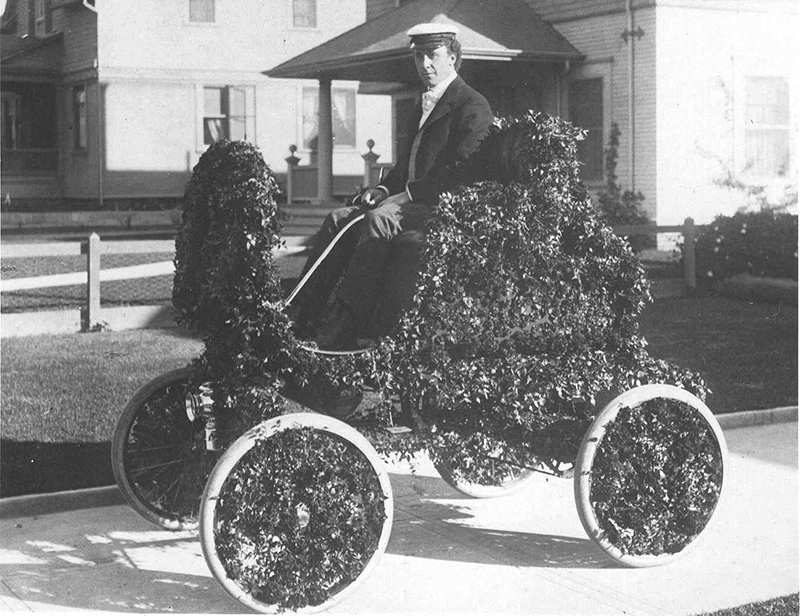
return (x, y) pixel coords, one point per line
(296, 514)
(158, 455)
(649, 475)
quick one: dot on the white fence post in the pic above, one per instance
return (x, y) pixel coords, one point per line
(689, 264)
(93, 282)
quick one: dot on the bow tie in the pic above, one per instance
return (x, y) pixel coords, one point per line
(429, 101)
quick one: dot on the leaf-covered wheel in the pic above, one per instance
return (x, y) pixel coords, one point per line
(484, 478)
(296, 514)
(649, 475)
(158, 455)
(501, 473)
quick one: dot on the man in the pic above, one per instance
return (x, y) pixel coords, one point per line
(450, 123)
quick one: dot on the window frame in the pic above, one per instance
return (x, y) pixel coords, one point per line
(335, 87)
(292, 15)
(750, 128)
(599, 69)
(754, 67)
(80, 119)
(249, 116)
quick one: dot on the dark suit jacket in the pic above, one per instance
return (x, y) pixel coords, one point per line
(452, 132)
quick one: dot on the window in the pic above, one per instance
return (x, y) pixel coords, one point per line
(767, 126)
(344, 117)
(586, 111)
(8, 129)
(41, 17)
(228, 113)
(79, 118)
(201, 11)
(304, 13)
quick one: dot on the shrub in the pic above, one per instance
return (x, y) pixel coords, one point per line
(618, 206)
(760, 243)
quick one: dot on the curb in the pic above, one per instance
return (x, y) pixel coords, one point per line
(41, 504)
(745, 419)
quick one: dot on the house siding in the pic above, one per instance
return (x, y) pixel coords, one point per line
(599, 39)
(702, 60)
(153, 86)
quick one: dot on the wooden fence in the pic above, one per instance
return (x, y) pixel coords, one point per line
(93, 248)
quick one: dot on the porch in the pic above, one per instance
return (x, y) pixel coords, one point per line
(510, 55)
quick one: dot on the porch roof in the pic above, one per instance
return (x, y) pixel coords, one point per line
(378, 50)
(30, 56)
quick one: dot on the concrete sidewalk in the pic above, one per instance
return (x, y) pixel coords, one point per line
(522, 554)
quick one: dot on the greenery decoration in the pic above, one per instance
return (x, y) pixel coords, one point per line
(527, 307)
(656, 478)
(762, 243)
(298, 518)
(525, 316)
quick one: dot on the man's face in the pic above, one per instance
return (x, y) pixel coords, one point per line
(434, 65)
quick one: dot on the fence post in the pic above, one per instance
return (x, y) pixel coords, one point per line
(370, 158)
(291, 163)
(689, 265)
(92, 316)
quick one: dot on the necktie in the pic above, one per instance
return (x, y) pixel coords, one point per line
(428, 101)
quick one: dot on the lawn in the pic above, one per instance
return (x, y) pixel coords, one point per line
(61, 395)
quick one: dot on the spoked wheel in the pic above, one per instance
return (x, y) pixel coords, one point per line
(649, 475)
(158, 455)
(296, 514)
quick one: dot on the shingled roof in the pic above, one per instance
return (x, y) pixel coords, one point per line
(501, 30)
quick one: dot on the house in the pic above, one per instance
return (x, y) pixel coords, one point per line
(109, 105)
(701, 90)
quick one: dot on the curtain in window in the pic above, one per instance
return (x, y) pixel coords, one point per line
(344, 117)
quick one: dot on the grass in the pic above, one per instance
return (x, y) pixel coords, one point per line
(781, 606)
(61, 395)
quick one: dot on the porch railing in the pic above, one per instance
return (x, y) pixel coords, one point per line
(28, 161)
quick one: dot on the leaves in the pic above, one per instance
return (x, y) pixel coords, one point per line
(656, 477)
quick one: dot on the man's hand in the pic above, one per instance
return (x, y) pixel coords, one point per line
(372, 197)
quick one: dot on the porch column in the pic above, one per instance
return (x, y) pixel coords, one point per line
(325, 143)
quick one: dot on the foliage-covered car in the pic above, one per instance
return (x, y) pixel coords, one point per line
(519, 354)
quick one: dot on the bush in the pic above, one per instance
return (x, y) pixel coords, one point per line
(618, 206)
(757, 243)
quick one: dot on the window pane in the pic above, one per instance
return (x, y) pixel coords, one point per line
(213, 101)
(586, 111)
(238, 102)
(310, 118)
(767, 100)
(767, 148)
(344, 117)
(767, 152)
(304, 13)
(201, 11)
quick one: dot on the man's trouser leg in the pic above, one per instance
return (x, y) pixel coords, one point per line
(363, 279)
(314, 295)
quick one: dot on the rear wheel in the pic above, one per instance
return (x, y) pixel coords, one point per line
(296, 514)
(158, 455)
(488, 476)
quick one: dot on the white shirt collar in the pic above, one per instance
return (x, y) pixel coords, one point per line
(438, 90)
